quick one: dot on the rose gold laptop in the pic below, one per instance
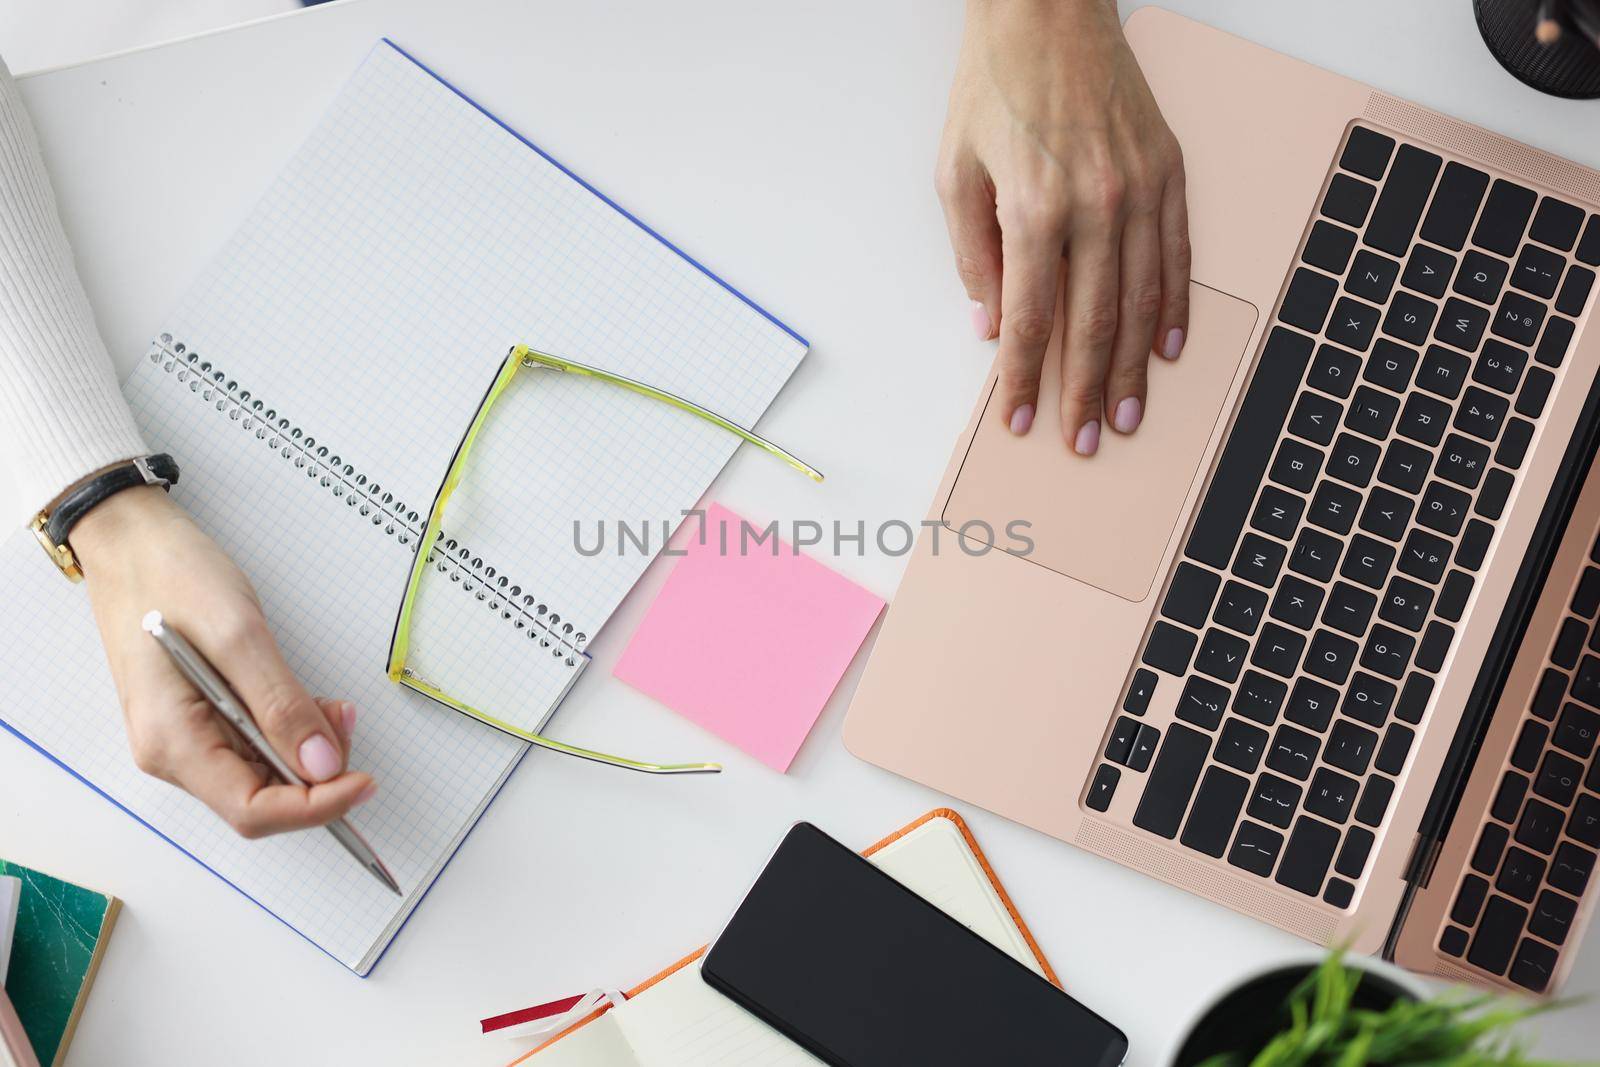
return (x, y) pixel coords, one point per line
(1319, 642)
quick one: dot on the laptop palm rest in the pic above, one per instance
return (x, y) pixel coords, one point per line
(1104, 520)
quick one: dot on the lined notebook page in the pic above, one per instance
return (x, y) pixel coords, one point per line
(367, 303)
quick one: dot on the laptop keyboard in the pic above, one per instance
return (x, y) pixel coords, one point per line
(1537, 849)
(1357, 496)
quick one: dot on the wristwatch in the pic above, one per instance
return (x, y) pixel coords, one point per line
(52, 525)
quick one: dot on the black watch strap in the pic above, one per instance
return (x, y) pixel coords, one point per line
(159, 470)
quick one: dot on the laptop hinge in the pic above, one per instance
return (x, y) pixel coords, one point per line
(1424, 858)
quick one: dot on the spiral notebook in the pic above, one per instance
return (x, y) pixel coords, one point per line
(314, 383)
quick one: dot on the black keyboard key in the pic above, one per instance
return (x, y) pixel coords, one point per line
(1424, 419)
(1547, 698)
(1241, 745)
(1481, 414)
(1103, 787)
(1444, 372)
(1374, 802)
(1353, 460)
(1259, 697)
(1390, 365)
(1425, 556)
(1514, 442)
(1277, 512)
(1589, 245)
(1491, 502)
(1315, 555)
(1453, 596)
(1334, 507)
(1556, 223)
(1455, 203)
(1339, 893)
(1533, 965)
(1120, 745)
(1372, 277)
(1508, 796)
(1462, 461)
(1435, 645)
(1190, 595)
(1172, 781)
(1405, 194)
(1444, 509)
(1296, 602)
(1353, 323)
(1329, 247)
(1569, 643)
(1169, 648)
(1585, 684)
(1372, 412)
(1570, 870)
(1499, 366)
(1453, 941)
(1521, 872)
(1216, 809)
(1554, 342)
(1406, 604)
(1368, 699)
(1409, 318)
(1222, 655)
(1202, 702)
(1241, 607)
(1535, 392)
(1518, 319)
(1540, 826)
(1575, 291)
(1428, 270)
(1259, 560)
(1497, 934)
(1392, 752)
(1331, 656)
(1505, 216)
(1315, 418)
(1331, 795)
(1558, 778)
(1293, 753)
(1255, 848)
(1386, 514)
(1586, 598)
(1306, 303)
(1144, 748)
(1584, 825)
(1492, 840)
(1368, 561)
(1334, 371)
(1474, 544)
(1552, 917)
(1244, 458)
(1575, 730)
(1367, 153)
(1349, 609)
(1538, 271)
(1348, 199)
(1481, 277)
(1278, 650)
(1308, 854)
(1350, 747)
(1469, 900)
(1354, 852)
(1530, 744)
(1405, 466)
(1311, 705)
(1274, 800)
(1462, 324)
(1140, 690)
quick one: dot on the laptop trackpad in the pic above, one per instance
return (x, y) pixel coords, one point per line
(1105, 520)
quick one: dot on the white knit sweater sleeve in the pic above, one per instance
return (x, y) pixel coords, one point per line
(61, 413)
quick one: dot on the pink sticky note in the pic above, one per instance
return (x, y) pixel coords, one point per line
(748, 639)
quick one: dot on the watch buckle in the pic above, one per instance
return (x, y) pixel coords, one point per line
(61, 555)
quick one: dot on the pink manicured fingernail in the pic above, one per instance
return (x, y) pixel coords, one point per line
(1174, 343)
(1087, 443)
(982, 325)
(1126, 419)
(347, 715)
(318, 758)
(366, 794)
(1021, 419)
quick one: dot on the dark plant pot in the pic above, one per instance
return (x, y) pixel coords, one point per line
(1255, 1012)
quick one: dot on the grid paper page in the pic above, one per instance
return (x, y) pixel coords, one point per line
(366, 305)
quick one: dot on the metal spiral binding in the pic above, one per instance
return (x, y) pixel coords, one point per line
(465, 569)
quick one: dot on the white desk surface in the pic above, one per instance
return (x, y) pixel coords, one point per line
(792, 152)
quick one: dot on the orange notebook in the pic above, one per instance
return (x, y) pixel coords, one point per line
(675, 1020)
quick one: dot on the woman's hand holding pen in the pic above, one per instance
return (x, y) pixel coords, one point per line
(139, 550)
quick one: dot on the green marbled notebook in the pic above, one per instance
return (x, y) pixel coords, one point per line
(61, 934)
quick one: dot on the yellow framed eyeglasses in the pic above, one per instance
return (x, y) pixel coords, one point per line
(520, 358)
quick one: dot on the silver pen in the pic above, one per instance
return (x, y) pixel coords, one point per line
(204, 677)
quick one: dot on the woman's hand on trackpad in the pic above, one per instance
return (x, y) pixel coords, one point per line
(1055, 158)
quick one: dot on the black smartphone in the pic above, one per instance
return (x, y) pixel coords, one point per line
(862, 972)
